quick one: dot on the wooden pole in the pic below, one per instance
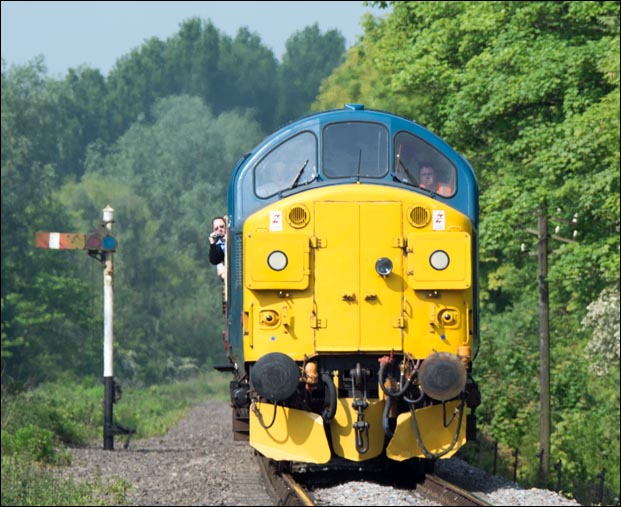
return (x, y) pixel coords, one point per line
(544, 340)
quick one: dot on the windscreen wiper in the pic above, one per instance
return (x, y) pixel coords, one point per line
(412, 180)
(299, 174)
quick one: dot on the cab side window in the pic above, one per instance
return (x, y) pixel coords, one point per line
(419, 164)
(289, 165)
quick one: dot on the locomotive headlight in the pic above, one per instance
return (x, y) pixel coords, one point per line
(383, 266)
(277, 260)
(439, 260)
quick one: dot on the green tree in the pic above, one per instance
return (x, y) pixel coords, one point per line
(529, 92)
(111, 142)
(134, 83)
(359, 79)
(249, 77)
(44, 325)
(192, 57)
(198, 61)
(166, 179)
(310, 57)
(82, 118)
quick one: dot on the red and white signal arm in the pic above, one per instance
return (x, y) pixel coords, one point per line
(60, 240)
(72, 241)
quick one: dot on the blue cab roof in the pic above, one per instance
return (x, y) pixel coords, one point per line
(243, 199)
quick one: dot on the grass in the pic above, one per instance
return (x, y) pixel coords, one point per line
(27, 482)
(37, 425)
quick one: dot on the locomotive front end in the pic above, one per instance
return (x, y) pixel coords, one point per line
(356, 302)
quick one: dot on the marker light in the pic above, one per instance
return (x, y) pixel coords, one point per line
(383, 266)
(109, 243)
(439, 260)
(277, 260)
(93, 242)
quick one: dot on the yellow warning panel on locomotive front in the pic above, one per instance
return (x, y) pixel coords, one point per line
(276, 260)
(439, 260)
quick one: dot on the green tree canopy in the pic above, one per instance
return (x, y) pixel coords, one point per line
(43, 320)
(166, 178)
(310, 57)
(529, 92)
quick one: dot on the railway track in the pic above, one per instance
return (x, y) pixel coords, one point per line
(285, 489)
(281, 486)
(433, 487)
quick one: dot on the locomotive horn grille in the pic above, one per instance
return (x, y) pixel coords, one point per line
(298, 216)
(419, 216)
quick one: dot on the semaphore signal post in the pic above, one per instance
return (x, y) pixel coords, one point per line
(100, 244)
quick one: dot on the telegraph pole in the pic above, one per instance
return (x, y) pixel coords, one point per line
(544, 337)
(544, 329)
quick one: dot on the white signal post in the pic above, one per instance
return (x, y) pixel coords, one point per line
(100, 245)
(108, 369)
(108, 215)
(111, 388)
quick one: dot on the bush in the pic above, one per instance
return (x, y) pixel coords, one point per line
(39, 444)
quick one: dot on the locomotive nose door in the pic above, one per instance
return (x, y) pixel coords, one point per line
(356, 308)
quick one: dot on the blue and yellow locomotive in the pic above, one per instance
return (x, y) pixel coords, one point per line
(352, 314)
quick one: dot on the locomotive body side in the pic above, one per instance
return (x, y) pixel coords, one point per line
(353, 308)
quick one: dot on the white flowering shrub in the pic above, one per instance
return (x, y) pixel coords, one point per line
(602, 322)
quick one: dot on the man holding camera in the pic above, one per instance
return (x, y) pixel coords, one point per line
(217, 245)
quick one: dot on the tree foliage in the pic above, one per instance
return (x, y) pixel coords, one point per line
(226, 73)
(602, 321)
(529, 92)
(310, 57)
(39, 314)
(156, 139)
(167, 179)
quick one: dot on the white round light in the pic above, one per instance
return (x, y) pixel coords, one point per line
(277, 260)
(439, 260)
